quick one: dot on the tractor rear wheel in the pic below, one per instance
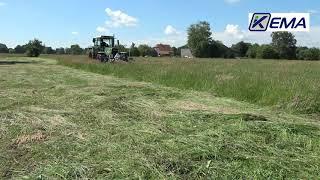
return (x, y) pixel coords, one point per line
(102, 58)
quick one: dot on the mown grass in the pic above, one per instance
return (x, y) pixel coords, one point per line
(290, 85)
(61, 123)
(6, 55)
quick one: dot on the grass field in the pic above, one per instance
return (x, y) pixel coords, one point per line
(58, 122)
(289, 85)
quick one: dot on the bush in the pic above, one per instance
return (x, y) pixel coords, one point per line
(176, 52)
(311, 54)
(300, 53)
(60, 51)
(3, 48)
(48, 50)
(253, 50)
(11, 51)
(304, 53)
(218, 50)
(145, 50)
(75, 50)
(267, 52)
(20, 49)
(134, 51)
(240, 49)
(34, 48)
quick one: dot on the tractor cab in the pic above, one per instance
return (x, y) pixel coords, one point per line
(104, 41)
(105, 50)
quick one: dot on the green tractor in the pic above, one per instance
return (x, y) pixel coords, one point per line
(105, 50)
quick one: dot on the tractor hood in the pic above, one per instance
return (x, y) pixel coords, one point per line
(106, 50)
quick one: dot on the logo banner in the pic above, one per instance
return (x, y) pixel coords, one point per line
(293, 22)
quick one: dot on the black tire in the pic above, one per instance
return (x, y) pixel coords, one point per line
(98, 57)
(102, 58)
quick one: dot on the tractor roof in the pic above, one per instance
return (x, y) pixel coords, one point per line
(105, 37)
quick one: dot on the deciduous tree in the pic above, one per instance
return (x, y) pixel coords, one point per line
(199, 39)
(3, 48)
(34, 48)
(308, 54)
(20, 49)
(267, 52)
(241, 48)
(146, 50)
(76, 49)
(252, 51)
(60, 51)
(48, 50)
(285, 44)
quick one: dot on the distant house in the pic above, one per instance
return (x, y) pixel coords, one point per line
(163, 50)
(186, 53)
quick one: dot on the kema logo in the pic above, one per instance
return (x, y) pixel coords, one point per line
(279, 22)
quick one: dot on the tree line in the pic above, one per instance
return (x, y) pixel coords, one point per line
(283, 46)
(35, 47)
(201, 44)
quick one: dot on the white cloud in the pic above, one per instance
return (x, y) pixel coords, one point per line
(117, 19)
(170, 30)
(75, 33)
(120, 19)
(232, 1)
(310, 39)
(257, 37)
(101, 29)
(234, 34)
(2, 4)
(231, 35)
(235, 31)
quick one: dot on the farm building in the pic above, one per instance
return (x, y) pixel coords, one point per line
(186, 53)
(163, 50)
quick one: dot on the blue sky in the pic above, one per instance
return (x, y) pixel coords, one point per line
(60, 23)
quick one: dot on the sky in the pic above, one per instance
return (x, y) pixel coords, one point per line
(61, 23)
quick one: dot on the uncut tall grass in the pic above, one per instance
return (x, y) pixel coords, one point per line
(290, 85)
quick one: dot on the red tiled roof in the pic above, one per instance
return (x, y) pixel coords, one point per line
(163, 47)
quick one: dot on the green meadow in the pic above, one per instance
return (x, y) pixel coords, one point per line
(158, 119)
